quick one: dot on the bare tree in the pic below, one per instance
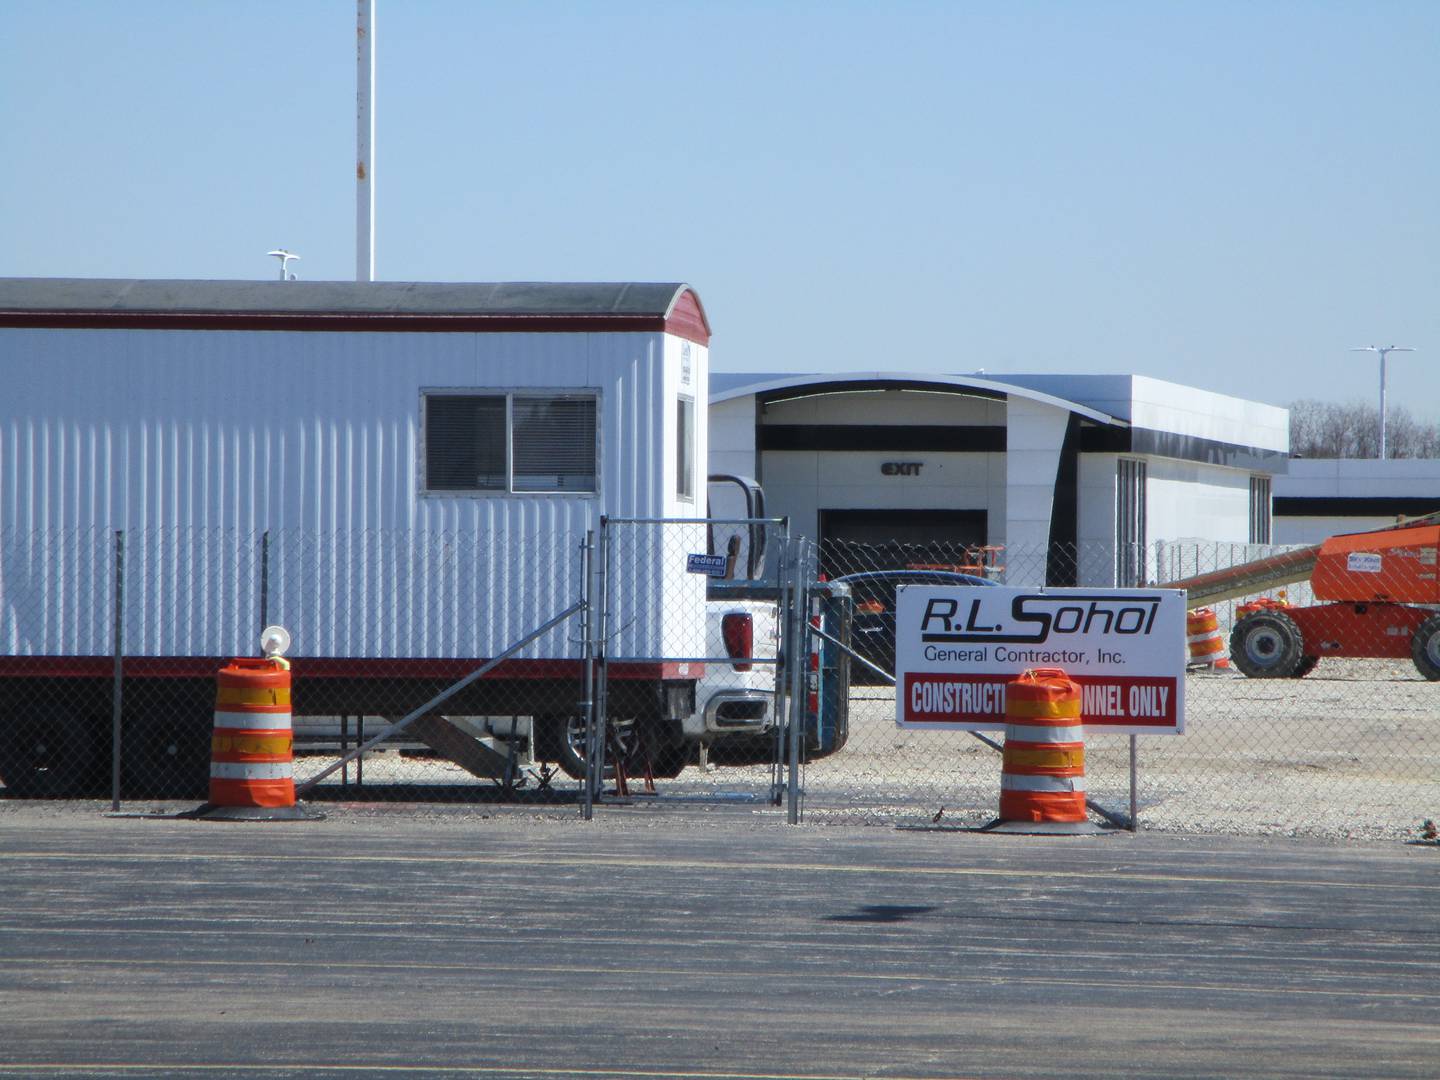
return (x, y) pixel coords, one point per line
(1327, 429)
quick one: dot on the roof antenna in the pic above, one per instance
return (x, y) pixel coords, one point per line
(284, 257)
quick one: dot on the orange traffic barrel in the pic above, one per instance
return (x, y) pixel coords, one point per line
(252, 747)
(1203, 637)
(1042, 778)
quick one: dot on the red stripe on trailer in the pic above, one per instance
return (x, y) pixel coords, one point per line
(338, 667)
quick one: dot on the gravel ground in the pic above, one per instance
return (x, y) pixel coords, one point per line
(1350, 752)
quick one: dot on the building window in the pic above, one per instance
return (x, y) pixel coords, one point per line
(1129, 523)
(685, 449)
(511, 442)
(1260, 532)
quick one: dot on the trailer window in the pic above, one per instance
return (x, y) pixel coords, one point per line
(513, 442)
(554, 443)
(685, 449)
(465, 442)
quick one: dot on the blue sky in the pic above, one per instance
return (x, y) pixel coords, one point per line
(1223, 194)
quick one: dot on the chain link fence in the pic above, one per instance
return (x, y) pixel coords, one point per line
(110, 643)
(1330, 733)
(1319, 722)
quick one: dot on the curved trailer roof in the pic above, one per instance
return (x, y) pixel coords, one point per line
(671, 307)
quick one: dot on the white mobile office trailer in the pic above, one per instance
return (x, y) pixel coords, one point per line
(403, 474)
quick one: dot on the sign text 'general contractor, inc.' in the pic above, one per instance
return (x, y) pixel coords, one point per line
(956, 648)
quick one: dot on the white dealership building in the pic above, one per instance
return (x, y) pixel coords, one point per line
(1075, 476)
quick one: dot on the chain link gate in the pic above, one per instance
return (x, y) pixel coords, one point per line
(692, 631)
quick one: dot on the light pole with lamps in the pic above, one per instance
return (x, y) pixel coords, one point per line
(1383, 351)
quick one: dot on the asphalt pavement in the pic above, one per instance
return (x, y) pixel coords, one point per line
(693, 943)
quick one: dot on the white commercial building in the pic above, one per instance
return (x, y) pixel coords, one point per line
(1320, 497)
(1075, 476)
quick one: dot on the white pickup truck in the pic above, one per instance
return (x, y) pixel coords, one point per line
(735, 702)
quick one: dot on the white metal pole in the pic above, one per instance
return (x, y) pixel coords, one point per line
(1382, 403)
(365, 140)
(1383, 351)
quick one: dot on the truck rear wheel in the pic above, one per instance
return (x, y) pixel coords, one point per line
(561, 739)
(1267, 645)
(1425, 648)
(50, 752)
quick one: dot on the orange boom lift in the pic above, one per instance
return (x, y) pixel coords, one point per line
(1381, 599)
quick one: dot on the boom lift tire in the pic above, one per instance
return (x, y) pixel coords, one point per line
(1267, 645)
(1425, 648)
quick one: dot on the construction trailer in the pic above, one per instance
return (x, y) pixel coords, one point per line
(339, 450)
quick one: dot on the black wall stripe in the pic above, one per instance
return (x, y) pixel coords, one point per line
(1095, 439)
(911, 438)
(1065, 511)
(991, 438)
(1379, 506)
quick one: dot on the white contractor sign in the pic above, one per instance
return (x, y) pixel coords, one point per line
(956, 648)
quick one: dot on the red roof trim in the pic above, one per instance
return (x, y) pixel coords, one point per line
(482, 324)
(686, 319)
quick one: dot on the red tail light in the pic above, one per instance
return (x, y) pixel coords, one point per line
(738, 630)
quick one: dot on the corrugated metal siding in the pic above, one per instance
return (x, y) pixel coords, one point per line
(198, 442)
(656, 606)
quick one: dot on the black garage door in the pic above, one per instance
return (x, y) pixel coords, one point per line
(856, 540)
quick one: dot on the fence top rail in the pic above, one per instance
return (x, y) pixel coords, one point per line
(627, 658)
(695, 521)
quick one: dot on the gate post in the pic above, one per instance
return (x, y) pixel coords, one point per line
(795, 654)
(264, 580)
(115, 691)
(600, 704)
(587, 652)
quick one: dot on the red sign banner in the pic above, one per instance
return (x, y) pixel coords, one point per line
(1128, 702)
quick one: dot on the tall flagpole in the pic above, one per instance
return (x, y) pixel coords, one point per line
(365, 140)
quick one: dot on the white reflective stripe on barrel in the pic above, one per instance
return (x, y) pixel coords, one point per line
(239, 770)
(1015, 782)
(253, 721)
(1036, 733)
